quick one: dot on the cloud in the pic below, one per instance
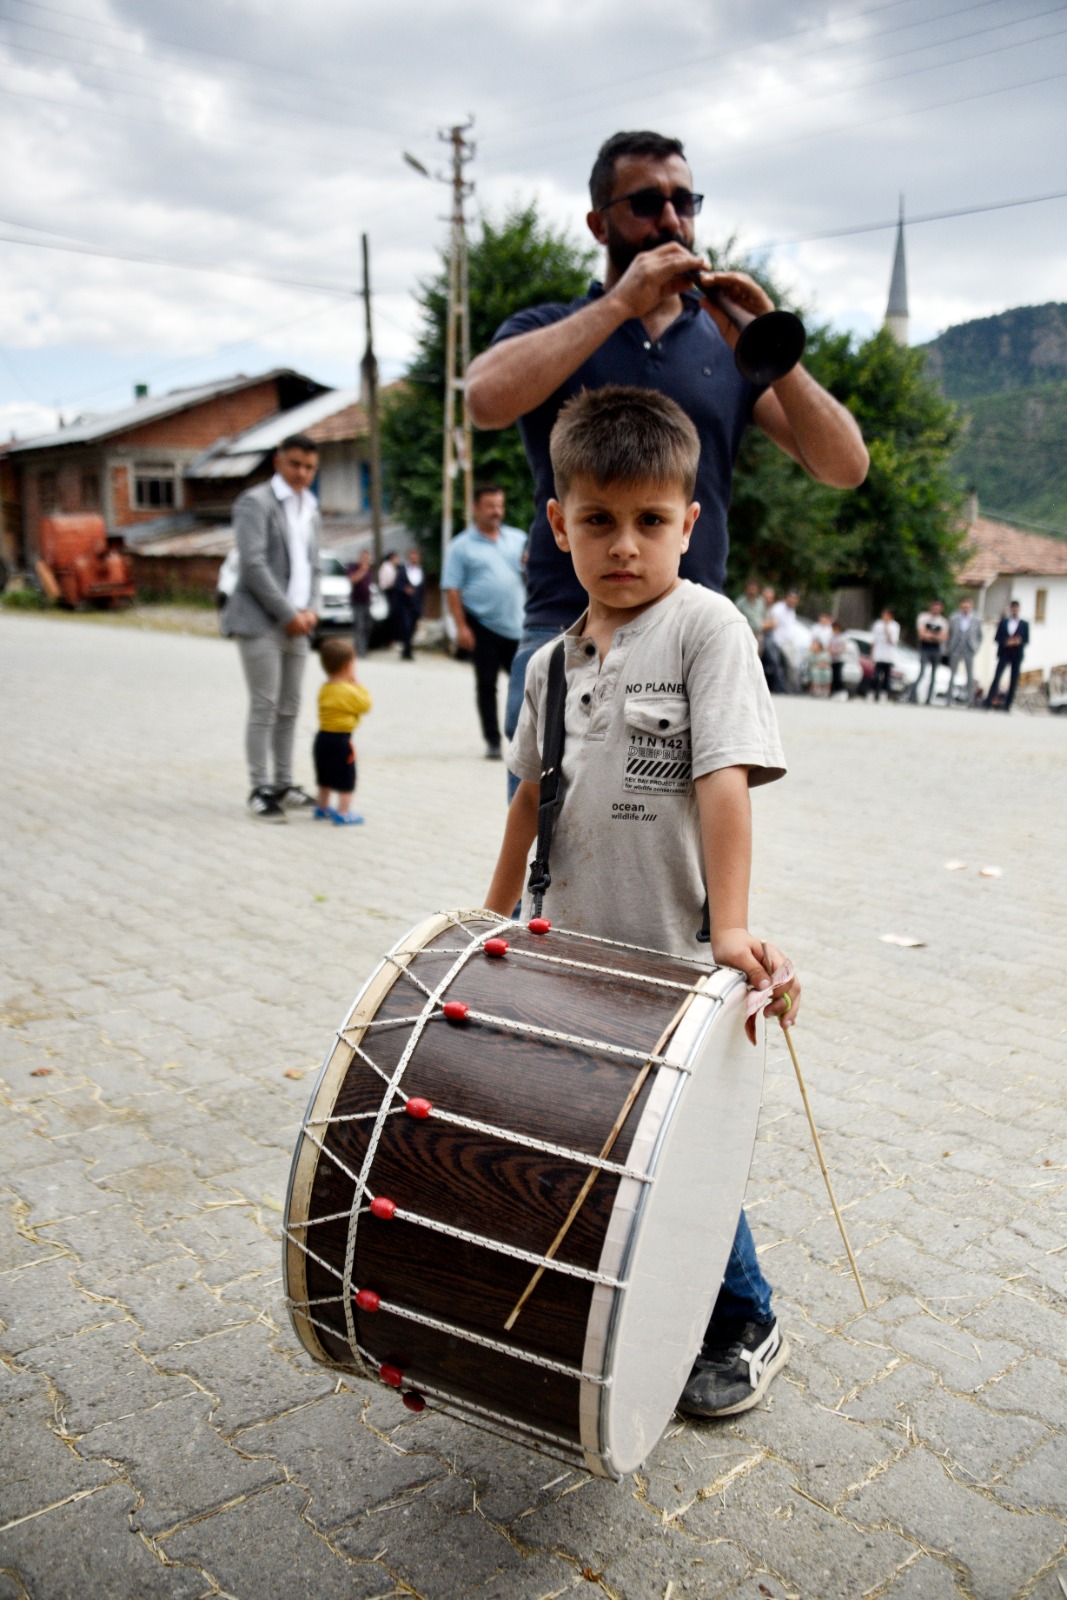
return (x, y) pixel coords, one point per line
(265, 138)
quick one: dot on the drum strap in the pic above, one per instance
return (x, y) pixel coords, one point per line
(551, 797)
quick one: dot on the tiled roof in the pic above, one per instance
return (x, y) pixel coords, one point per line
(995, 549)
(350, 422)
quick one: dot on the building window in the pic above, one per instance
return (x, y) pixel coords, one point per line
(46, 491)
(154, 488)
(90, 491)
(1040, 604)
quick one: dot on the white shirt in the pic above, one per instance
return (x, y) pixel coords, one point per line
(784, 619)
(1013, 624)
(299, 512)
(680, 693)
(964, 620)
(386, 576)
(885, 637)
(413, 573)
(824, 633)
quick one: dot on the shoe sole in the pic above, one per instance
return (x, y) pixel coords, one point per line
(257, 816)
(770, 1371)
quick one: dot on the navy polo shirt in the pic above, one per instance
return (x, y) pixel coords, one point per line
(692, 363)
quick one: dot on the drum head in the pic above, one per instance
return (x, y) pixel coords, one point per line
(699, 1128)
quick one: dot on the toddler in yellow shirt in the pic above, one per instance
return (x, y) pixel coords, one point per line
(342, 701)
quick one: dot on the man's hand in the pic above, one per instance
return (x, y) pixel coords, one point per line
(742, 290)
(303, 622)
(465, 637)
(736, 947)
(655, 275)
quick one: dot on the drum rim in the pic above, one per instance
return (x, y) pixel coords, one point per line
(328, 1084)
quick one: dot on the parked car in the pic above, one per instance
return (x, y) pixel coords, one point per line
(335, 614)
(798, 652)
(905, 671)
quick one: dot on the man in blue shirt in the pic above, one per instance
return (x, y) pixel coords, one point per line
(483, 585)
(646, 325)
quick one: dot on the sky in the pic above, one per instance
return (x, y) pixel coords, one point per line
(256, 141)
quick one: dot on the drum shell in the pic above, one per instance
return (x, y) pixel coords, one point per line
(445, 1298)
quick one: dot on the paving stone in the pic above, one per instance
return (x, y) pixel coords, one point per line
(59, 1189)
(247, 1376)
(1036, 1387)
(924, 1579)
(170, 1306)
(668, 1557)
(47, 1298)
(264, 1550)
(410, 1533)
(998, 1549)
(829, 1454)
(42, 1469)
(979, 1445)
(178, 1464)
(810, 1548)
(347, 1470)
(61, 1555)
(101, 1377)
(1039, 1484)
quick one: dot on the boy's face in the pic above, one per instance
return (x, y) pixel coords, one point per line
(626, 541)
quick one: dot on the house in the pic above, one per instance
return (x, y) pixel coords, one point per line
(1004, 563)
(130, 465)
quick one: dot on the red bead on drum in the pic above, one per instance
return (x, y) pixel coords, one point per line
(381, 1207)
(495, 947)
(455, 1010)
(539, 924)
(417, 1107)
(367, 1300)
(414, 1401)
(392, 1376)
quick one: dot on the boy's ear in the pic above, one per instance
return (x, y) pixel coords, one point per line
(692, 513)
(558, 523)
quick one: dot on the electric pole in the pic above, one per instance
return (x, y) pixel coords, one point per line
(369, 393)
(457, 452)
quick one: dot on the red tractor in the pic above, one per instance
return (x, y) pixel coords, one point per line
(80, 565)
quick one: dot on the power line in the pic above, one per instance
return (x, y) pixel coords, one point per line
(927, 216)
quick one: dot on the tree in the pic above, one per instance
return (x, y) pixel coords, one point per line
(520, 262)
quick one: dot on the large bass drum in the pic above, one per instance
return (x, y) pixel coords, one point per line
(507, 1106)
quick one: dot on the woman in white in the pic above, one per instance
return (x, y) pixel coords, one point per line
(885, 636)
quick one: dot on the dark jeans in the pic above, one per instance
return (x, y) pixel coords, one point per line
(1014, 661)
(360, 629)
(929, 656)
(493, 654)
(837, 682)
(882, 670)
(745, 1295)
(405, 618)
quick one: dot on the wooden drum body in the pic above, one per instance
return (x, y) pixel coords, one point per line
(463, 1108)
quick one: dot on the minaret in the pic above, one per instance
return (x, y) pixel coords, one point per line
(896, 312)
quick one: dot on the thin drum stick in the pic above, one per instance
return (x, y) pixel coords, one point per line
(818, 1151)
(606, 1149)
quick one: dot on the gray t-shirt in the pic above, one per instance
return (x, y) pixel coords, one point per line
(680, 693)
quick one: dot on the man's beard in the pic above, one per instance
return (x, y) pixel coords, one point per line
(621, 251)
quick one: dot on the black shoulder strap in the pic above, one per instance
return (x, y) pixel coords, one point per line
(551, 775)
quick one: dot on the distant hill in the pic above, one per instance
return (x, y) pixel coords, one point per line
(1009, 374)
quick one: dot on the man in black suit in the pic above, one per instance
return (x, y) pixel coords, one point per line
(1012, 637)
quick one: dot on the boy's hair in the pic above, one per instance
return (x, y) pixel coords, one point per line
(335, 655)
(624, 435)
(298, 441)
(637, 143)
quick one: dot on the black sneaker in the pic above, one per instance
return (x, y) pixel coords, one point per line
(493, 752)
(263, 804)
(732, 1374)
(294, 799)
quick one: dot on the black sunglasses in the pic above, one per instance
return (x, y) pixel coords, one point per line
(650, 202)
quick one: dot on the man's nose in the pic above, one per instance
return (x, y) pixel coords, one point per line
(668, 217)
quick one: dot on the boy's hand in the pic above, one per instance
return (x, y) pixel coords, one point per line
(736, 947)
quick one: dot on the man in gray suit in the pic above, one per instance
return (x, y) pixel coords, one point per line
(964, 638)
(271, 614)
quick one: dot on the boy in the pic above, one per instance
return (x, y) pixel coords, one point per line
(668, 721)
(342, 701)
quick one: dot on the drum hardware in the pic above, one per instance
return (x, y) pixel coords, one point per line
(771, 342)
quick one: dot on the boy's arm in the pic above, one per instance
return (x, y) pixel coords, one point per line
(726, 834)
(520, 831)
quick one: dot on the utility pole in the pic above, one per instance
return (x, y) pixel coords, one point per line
(369, 392)
(457, 451)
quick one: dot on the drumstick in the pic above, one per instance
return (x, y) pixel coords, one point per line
(818, 1151)
(609, 1142)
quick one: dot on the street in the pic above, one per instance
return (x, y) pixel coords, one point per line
(171, 973)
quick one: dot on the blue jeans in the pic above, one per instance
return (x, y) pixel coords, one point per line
(531, 641)
(745, 1295)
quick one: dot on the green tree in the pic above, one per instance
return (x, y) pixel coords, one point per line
(520, 262)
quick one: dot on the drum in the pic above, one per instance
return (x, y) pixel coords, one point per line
(518, 1178)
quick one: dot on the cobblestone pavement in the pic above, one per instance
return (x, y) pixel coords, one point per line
(164, 961)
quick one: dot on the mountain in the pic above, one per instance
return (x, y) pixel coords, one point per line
(1009, 374)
